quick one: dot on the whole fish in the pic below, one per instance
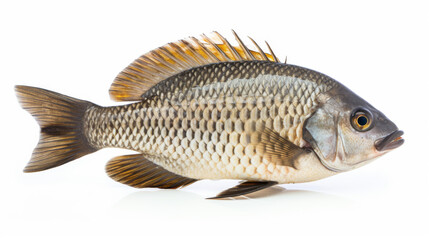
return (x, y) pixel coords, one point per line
(204, 109)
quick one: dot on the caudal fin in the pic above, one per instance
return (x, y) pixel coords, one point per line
(61, 121)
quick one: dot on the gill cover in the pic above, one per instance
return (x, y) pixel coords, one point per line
(321, 132)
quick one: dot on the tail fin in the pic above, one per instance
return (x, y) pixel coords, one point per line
(61, 121)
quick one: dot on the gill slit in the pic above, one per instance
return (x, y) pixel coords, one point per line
(340, 145)
(336, 136)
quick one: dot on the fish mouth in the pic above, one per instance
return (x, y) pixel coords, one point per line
(392, 141)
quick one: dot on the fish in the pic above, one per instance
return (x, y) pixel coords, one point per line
(201, 108)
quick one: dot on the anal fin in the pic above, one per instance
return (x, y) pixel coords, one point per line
(137, 171)
(244, 188)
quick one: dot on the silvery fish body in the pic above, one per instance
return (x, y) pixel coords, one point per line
(207, 122)
(208, 110)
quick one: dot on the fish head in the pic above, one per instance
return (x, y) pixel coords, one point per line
(346, 132)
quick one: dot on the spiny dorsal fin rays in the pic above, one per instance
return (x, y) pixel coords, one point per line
(259, 49)
(231, 53)
(217, 51)
(235, 54)
(173, 58)
(202, 49)
(272, 53)
(246, 51)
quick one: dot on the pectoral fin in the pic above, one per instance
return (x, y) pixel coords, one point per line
(244, 188)
(277, 149)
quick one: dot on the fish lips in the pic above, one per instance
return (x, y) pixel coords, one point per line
(390, 142)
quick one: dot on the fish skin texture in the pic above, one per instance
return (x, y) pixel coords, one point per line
(202, 109)
(206, 122)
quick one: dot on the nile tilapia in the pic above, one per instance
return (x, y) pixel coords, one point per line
(204, 109)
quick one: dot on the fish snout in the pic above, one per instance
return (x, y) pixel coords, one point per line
(391, 141)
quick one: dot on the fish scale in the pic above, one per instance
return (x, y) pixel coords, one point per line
(207, 130)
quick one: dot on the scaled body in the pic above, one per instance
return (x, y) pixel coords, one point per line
(206, 110)
(201, 125)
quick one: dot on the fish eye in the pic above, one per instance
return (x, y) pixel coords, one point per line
(361, 120)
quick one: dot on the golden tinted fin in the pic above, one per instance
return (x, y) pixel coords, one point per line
(277, 149)
(244, 188)
(61, 121)
(137, 171)
(173, 58)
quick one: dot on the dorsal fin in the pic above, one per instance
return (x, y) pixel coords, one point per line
(173, 58)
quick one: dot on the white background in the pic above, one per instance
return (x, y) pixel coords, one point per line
(378, 49)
